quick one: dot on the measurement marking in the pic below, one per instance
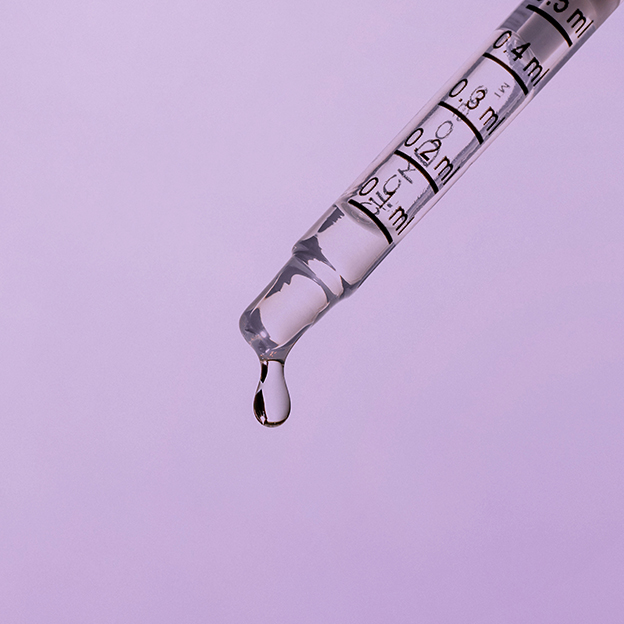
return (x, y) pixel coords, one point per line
(420, 168)
(373, 218)
(542, 77)
(553, 21)
(463, 118)
(498, 124)
(452, 174)
(585, 29)
(516, 77)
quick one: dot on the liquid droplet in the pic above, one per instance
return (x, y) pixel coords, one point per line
(272, 402)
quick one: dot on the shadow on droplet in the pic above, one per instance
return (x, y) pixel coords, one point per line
(271, 403)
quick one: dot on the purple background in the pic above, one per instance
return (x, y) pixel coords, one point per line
(456, 447)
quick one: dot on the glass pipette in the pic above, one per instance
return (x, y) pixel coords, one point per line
(403, 183)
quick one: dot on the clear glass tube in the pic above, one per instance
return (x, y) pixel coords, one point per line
(432, 152)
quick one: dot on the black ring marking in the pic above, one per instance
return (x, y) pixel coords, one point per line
(553, 21)
(463, 118)
(373, 218)
(420, 168)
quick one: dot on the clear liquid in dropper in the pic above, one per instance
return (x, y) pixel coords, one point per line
(272, 402)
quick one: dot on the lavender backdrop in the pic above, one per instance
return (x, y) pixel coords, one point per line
(456, 448)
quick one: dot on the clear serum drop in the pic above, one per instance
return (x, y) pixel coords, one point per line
(271, 402)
